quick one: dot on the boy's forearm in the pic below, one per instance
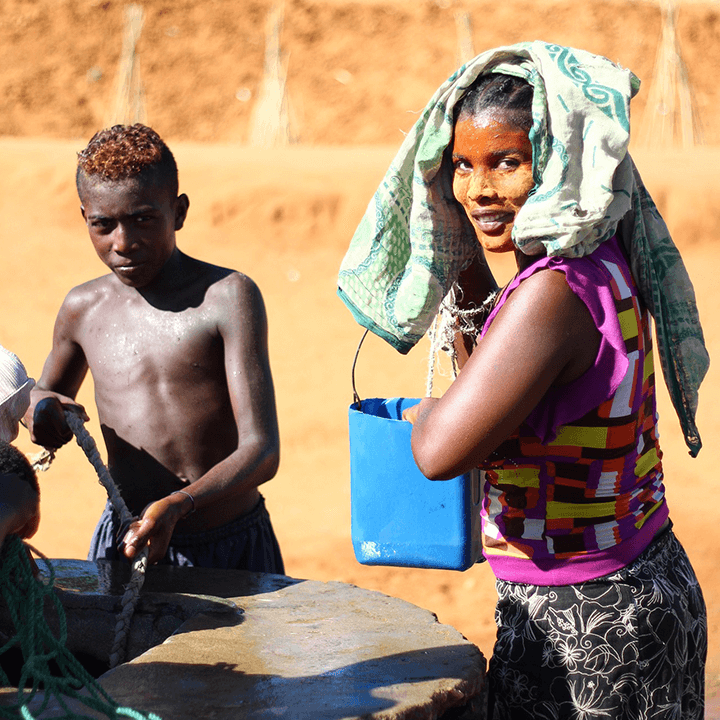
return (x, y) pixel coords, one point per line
(39, 393)
(62, 375)
(211, 495)
(228, 489)
(244, 470)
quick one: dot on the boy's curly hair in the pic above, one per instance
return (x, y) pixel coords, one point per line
(126, 151)
(13, 462)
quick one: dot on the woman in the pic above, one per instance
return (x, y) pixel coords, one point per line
(599, 612)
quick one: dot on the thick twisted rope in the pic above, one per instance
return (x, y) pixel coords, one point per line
(139, 565)
(86, 442)
(128, 603)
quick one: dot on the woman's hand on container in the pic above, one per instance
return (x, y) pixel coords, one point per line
(412, 413)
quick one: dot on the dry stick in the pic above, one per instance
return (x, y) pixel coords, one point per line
(129, 103)
(463, 30)
(270, 124)
(671, 117)
(139, 565)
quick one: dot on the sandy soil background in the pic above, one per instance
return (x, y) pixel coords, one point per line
(285, 218)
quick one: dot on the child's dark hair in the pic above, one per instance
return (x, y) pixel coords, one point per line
(496, 91)
(125, 151)
(13, 462)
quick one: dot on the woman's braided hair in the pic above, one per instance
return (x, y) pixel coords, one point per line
(496, 91)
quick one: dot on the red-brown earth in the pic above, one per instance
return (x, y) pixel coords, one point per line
(358, 72)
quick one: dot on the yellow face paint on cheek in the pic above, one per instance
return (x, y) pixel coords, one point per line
(492, 176)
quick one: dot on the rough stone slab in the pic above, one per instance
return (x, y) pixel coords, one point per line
(295, 649)
(309, 650)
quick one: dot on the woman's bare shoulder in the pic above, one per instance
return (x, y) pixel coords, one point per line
(547, 296)
(547, 312)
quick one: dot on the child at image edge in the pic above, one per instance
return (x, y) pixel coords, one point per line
(178, 353)
(19, 491)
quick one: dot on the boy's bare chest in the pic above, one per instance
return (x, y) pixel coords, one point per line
(131, 346)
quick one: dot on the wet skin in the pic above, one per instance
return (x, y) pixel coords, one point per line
(542, 337)
(177, 349)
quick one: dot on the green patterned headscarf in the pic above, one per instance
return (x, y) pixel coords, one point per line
(414, 238)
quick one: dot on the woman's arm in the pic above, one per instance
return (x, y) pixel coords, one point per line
(543, 336)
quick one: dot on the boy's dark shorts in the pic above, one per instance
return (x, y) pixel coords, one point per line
(246, 543)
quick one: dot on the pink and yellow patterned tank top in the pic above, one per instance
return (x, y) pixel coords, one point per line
(576, 492)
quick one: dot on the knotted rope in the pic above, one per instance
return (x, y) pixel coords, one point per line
(139, 564)
(449, 321)
(25, 597)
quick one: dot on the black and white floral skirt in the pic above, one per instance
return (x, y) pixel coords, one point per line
(629, 645)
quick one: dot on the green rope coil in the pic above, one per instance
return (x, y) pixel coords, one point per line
(25, 597)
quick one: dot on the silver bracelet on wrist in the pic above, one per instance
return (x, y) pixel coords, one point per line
(192, 500)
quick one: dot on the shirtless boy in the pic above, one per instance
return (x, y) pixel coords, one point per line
(178, 353)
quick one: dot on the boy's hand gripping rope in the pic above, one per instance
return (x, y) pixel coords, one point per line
(139, 565)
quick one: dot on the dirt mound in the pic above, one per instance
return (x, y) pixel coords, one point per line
(358, 72)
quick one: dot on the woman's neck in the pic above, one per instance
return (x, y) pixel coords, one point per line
(525, 261)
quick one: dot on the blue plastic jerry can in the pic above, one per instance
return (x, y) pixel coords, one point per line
(398, 516)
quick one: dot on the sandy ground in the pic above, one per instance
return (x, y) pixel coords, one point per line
(285, 219)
